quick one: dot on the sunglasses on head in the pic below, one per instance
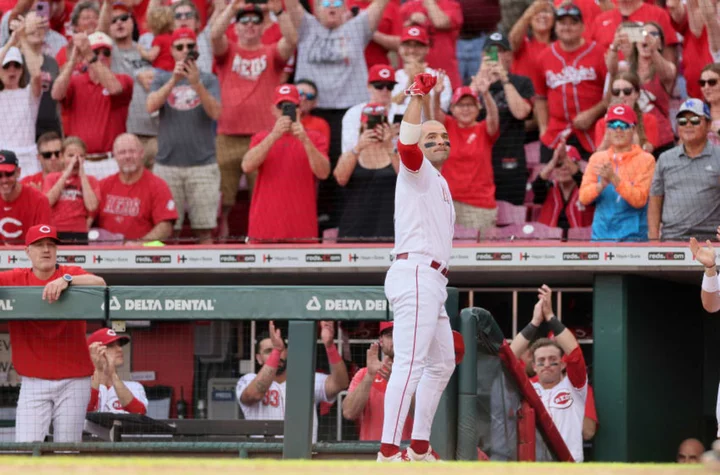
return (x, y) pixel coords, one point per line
(709, 82)
(123, 17)
(333, 3)
(383, 85)
(255, 20)
(625, 91)
(184, 15)
(307, 95)
(618, 125)
(694, 121)
(103, 51)
(50, 153)
(185, 46)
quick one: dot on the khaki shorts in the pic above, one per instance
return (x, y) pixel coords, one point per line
(230, 150)
(150, 144)
(194, 188)
(473, 217)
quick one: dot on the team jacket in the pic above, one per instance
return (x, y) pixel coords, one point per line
(578, 215)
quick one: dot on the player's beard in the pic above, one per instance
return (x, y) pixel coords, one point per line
(281, 367)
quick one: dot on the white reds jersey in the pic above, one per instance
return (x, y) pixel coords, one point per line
(424, 211)
(109, 402)
(272, 407)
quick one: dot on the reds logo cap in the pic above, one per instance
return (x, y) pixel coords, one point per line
(287, 93)
(381, 73)
(100, 40)
(8, 161)
(622, 113)
(462, 92)
(107, 336)
(40, 231)
(415, 33)
(183, 34)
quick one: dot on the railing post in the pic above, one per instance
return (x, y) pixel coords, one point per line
(300, 390)
(467, 389)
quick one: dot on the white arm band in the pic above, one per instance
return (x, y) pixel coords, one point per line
(710, 284)
(409, 133)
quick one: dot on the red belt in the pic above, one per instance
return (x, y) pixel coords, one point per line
(434, 264)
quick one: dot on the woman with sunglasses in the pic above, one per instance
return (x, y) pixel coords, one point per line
(710, 87)
(617, 181)
(73, 195)
(368, 174)
(625, 89)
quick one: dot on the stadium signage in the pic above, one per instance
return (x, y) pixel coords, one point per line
(6, 305)
(352, 305)
(168, 305)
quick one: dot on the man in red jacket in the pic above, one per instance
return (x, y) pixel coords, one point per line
(51, 356)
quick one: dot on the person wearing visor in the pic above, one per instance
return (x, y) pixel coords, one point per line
(617, 181)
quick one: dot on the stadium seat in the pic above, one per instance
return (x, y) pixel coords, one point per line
(509, 213)
(580, 234)
(524, 231)
(330, 236)
(534, 212)
(532, 154)
(465, 234)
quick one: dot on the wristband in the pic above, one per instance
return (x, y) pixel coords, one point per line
(530, 331)
(710, 284)
(556, 326)
(333, 355)
(274, 360)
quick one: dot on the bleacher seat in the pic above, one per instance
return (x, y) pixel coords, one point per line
(509, 213)
(465, 234)
(524, 231)
(580, 234)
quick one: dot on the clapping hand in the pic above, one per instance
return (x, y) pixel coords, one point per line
(704, 255)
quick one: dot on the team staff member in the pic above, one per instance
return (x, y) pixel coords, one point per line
(20, 206)
(108, 392)
(51, 356)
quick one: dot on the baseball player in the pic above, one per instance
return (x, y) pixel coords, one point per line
(108, 392)
(51, 356)
(563, 395)
(262, 396)
(710, 293)
(415, 283)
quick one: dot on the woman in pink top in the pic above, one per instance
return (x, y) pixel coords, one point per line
(710, 87)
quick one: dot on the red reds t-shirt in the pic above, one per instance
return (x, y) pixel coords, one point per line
(468, 170)
(371, 419)
(36, 180)
(69, 213)
(605, 24)
(164, 60)
(390, 24)
(284, 201)
(525, 59)
(30, 208)
(248, 79)
(442, 42)
(94, 115)
(133, 210)
(572, 82)
(53, 349)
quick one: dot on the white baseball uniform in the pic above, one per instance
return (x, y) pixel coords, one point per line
(272, 407)
(108, 400)
(423, 342)
(565, 402)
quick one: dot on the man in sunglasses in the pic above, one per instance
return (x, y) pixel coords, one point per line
(187, 16)
(308, 100)
(685, 194)
(49, 147)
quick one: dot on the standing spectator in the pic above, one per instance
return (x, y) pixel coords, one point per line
(135, 203)
(618, 182)
(443, 19)
(22, 206)
(365, 401)
(109, 393)
(308, 100)
(51, 356)
(49, 156)
(479, 20)
(685, 196)
(689, 21)
(368, 172)
(513, 95)
(570, 86)
(288, 159)
(413, 51)
(189, 104)
(161, 21)
(73, 196)
(468, 170)
(530, 36)
(710, 86)
(690, 451)
(52, 40)
(187, 16)
(97, 101)
(248, 72)
(387, 36)
(84, 19)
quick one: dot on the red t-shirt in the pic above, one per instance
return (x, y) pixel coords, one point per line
(69, 213)
(525, 59)
(318, 124)
(248, 79)
(133, 210)
(442, 50)
(696, 55)
(390, 24)
(94, 115)
(572, 82)
(605, 24)
(649, 123)
(284, 201)
(61, 58)
(164, 60)
(36, 179)
(371, 419)
(52, 349)
(30, 208)
(468, 170)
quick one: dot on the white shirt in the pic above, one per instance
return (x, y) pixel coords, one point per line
(17, 121)
(424, 211)
(109, 402)
(401, 78)
(566, 405)
(351, 124)
(272, 407)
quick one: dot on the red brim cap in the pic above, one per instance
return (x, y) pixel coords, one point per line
(39, 232)
(121, 6)
(385, 325)
(7, 168)
(459, 346)
(107, 336)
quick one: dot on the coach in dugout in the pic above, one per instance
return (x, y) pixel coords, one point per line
(51, 356)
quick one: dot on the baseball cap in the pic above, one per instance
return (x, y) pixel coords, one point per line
(182, 34)
(568, 9)
(461, 92)
(287, 93)
(459, 345)
(100, 40)
(572, 153)
(13, 55)
(385, 326)
(249, 9)
(381, 73)
(498, 39)
(622, 113)
(121, 6)
(696, 106)
(40, 231)
(415, 33)
(8, 161)
(107, 336)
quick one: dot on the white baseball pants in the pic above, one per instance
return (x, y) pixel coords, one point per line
(62, 402)
(423, 344)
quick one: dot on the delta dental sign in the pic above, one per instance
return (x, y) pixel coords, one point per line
(353, 305)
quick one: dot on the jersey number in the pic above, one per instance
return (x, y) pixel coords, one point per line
(272, 398)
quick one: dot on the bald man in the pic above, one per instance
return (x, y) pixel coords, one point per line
(690, 451)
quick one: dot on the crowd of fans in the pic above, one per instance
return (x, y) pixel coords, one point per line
(128, 117)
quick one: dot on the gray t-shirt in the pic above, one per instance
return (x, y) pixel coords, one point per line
(335, 60)
(187, 135)
(128, 61)
(691, 191)
(48, 118)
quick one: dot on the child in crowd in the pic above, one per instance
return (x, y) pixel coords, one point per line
(160, 22)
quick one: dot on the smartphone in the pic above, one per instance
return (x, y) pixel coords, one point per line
(397, 118)
(42, 9)
(375, 120)
(493, 53)
(192, 55)
(636, 33)
(289, 110)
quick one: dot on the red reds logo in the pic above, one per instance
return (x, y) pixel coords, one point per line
(116, 405)
(183, 98)
(111, 332)
(384, 73)
(44, 229)
(619, 110)
(8, 229)
(414, 31)
(284, 90)
(563, 399)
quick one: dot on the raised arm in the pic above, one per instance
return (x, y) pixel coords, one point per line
(576, 368)
(338, 379)
(289, 40)
(410, 128)
(439, 19)
(524, 338)
(354, 403)
(519, 31)
(211, 104)
(62, 83)
(295, 11)
(375, 12)
(437, 111)
(255, 391)
(481, 84)
(710, 290)
(105, 18)
(156, 99)
(125, 396)
(90, 199)
(319, 163)
(709, 14)
(218, 39)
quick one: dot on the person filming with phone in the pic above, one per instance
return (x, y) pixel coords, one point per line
(288, 160)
